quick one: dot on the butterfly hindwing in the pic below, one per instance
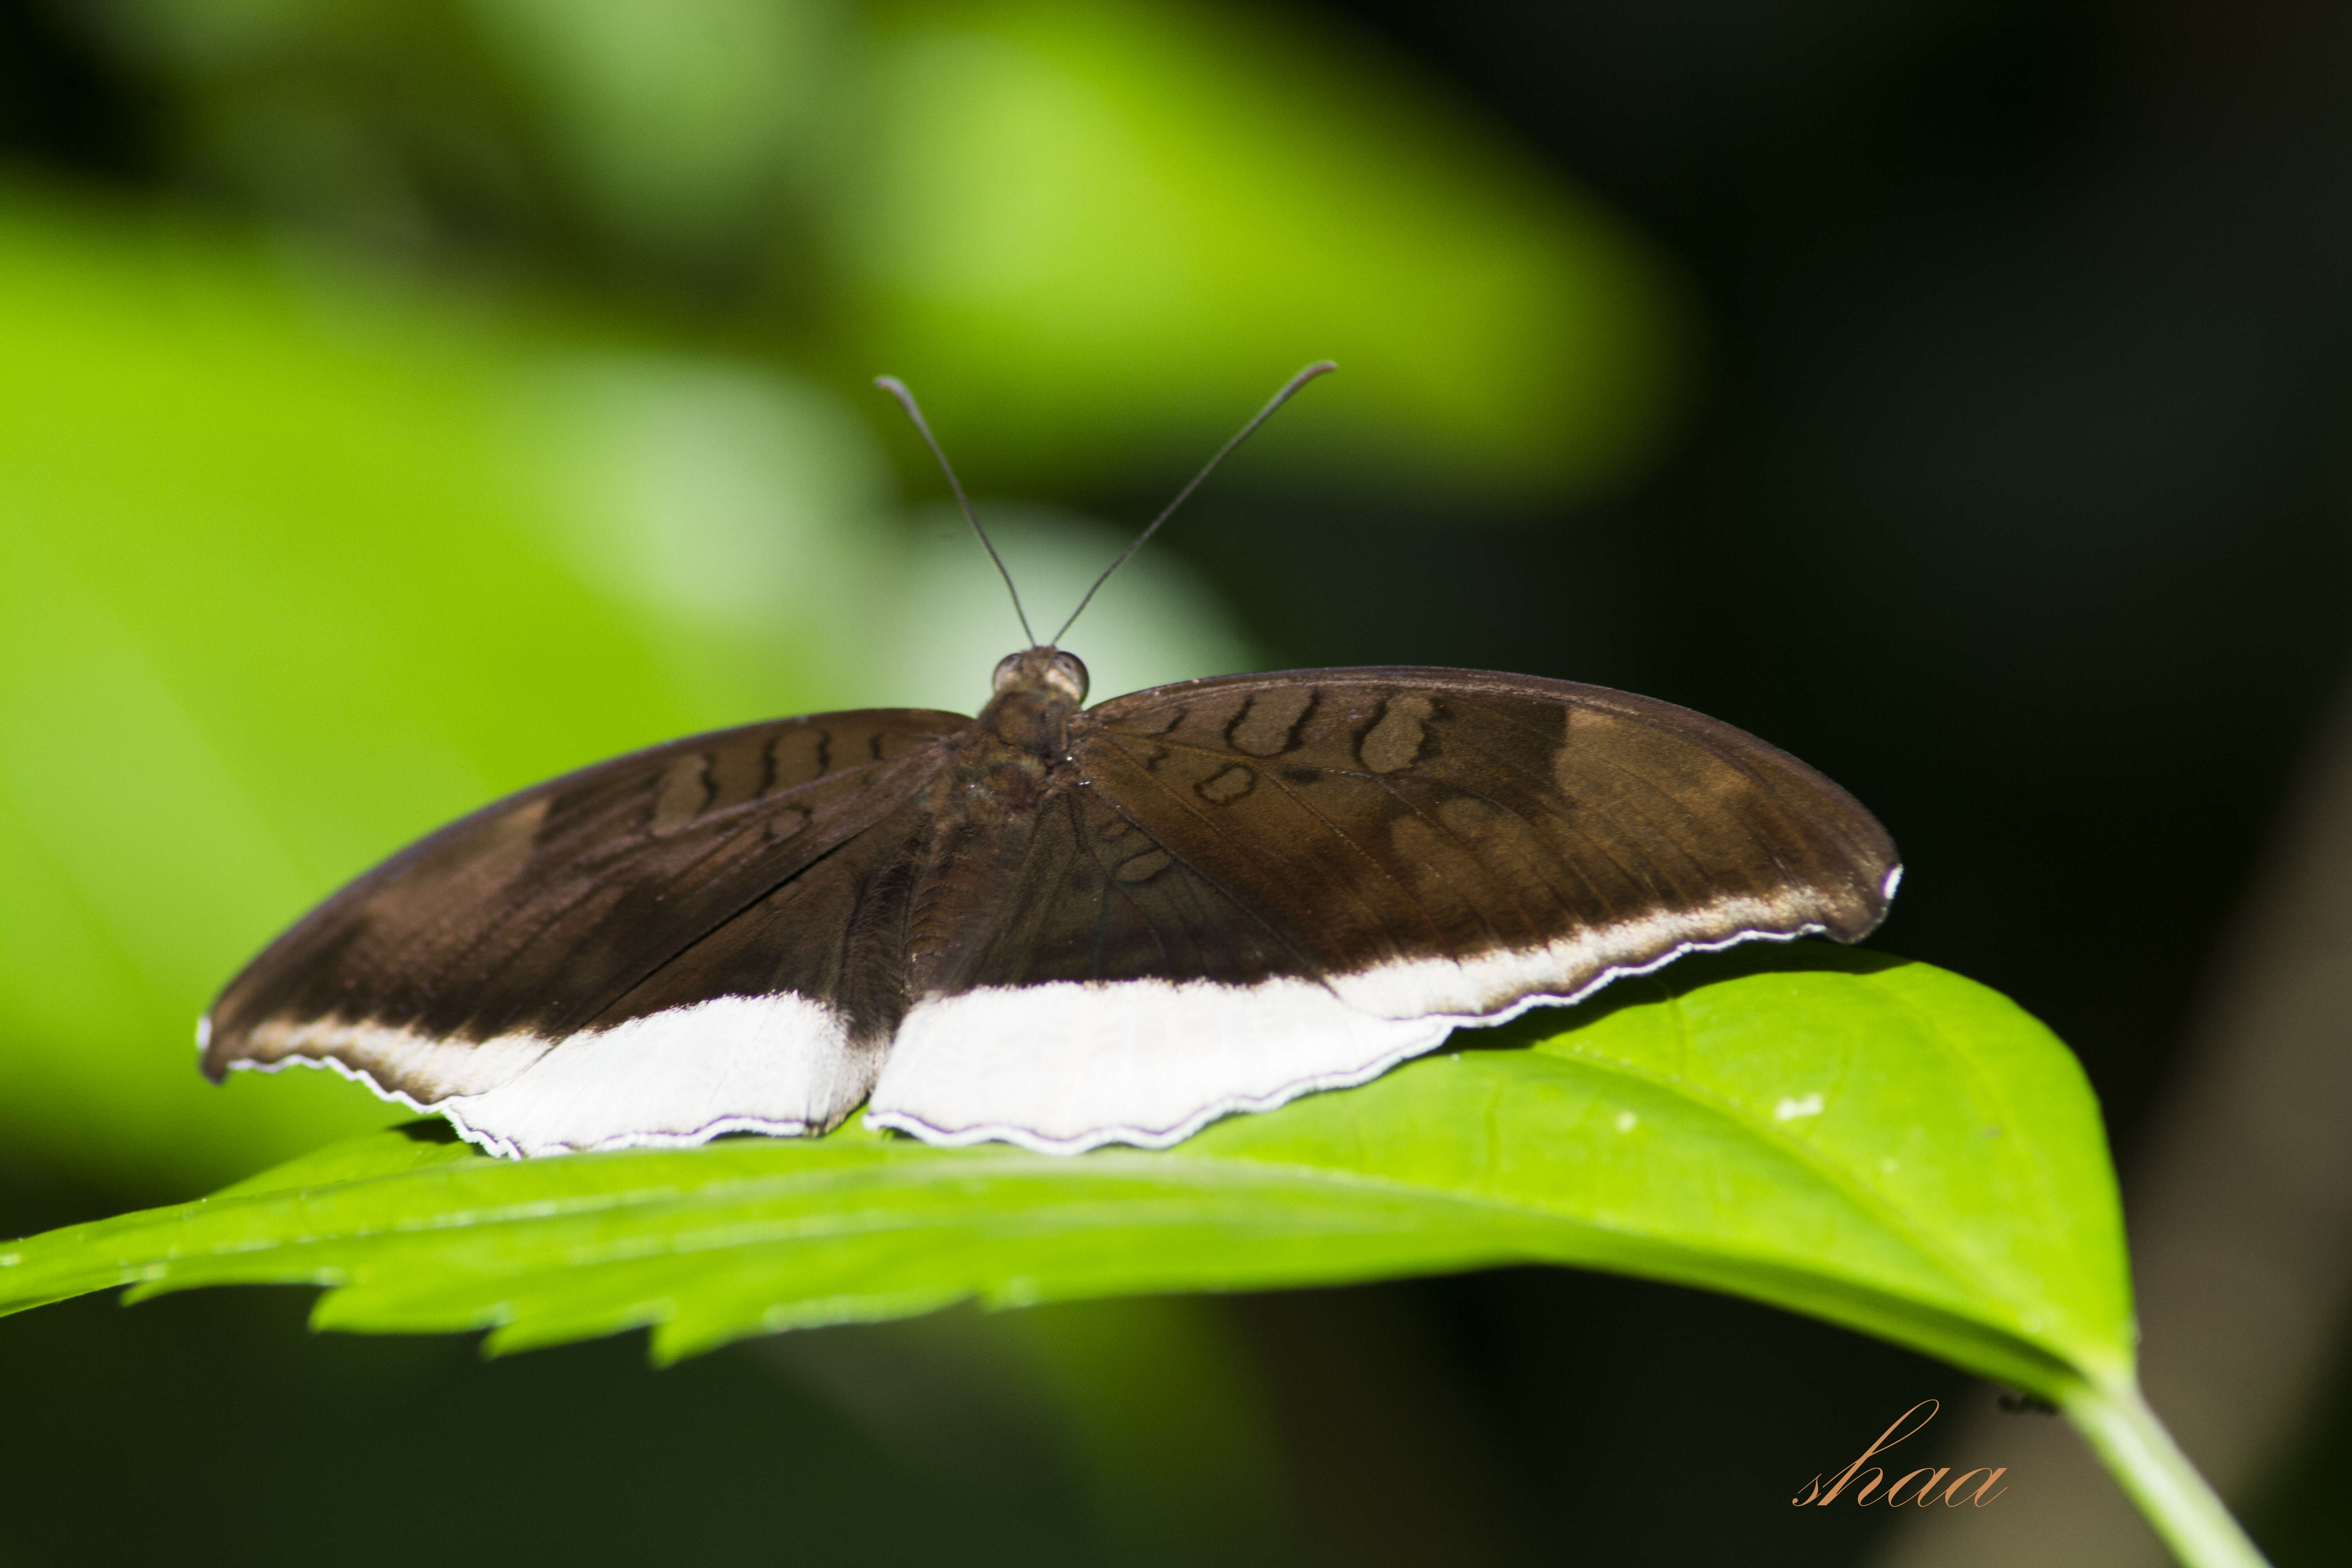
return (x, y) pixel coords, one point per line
(1125, 996)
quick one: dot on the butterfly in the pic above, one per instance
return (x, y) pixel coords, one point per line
(1051, 924)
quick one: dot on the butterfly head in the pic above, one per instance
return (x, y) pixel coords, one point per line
(1043, 668)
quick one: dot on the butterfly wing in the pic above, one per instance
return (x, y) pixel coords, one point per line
(1261, 885)
(640, 952)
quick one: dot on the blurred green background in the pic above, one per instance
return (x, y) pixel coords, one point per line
(401, 403)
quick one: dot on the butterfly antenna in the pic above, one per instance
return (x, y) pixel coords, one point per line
(1320, 367)
(897, 389)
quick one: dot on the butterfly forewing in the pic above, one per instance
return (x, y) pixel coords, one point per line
(608, 899)
(1380, 817)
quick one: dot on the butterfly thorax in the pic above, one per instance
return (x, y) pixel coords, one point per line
(984, 810)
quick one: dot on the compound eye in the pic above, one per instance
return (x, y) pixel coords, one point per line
(1008, 671)
(1071, 675)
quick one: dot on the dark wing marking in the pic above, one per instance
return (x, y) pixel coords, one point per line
(563, 907)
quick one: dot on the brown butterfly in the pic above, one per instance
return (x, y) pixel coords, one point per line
(1058, 925)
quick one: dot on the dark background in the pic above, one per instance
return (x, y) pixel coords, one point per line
(2015, 496)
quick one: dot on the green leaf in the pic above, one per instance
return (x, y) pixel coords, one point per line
(1196, 200)
(287, 564)
(1873, 1141)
